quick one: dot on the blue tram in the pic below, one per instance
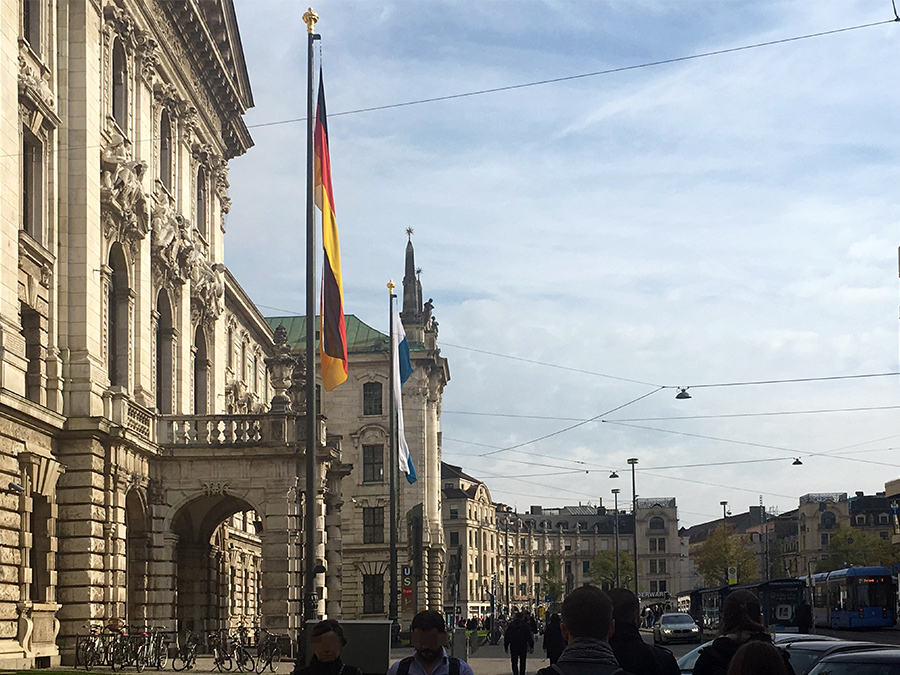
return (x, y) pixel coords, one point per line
(855, 597)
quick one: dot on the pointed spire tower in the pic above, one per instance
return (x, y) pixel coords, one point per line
(412, 315)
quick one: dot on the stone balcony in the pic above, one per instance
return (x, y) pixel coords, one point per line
(234, 431)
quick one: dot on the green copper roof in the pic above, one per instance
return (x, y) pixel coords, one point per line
(360, 337)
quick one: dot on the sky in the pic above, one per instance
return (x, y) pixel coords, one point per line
(594, 244)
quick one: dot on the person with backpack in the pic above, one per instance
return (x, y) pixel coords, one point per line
(429, 637)
(587, 623)
(742, 622)
(554, 643)
(631, 651)
(518, 643)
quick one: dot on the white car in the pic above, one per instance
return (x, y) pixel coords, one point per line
(676, 627)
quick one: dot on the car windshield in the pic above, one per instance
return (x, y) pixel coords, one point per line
(686, 662)
(677, 618)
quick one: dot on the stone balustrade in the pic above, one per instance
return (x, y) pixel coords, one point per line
(199, 431)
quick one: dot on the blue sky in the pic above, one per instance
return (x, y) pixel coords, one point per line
(718, 220)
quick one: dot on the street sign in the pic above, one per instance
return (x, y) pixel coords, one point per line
(548, 598)
(407, 571)
(732, 576)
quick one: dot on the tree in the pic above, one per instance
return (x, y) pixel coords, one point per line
(849, 547)
(602, 571)
(553, 584)
(724, 549)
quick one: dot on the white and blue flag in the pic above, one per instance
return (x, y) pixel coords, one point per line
(401, 369)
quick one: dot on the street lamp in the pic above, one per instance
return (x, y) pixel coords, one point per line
(616, 492)
(633, 461)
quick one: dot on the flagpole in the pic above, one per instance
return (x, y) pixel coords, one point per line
(393, 613)
(311, 600)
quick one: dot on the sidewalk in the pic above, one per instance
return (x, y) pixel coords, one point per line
(491, 660)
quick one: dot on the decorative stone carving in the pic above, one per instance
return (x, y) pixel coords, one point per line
(120, 22)
(170, 245)
(33, 85)
(207, 289)
(148, 51)
(211, 488)
(240, 401)
(123, 203)
(281, 370)
(297, 390)
(220, 181)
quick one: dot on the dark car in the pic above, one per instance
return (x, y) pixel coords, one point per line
(807, 653)
(884, 661)
(676, 627)
(686, 662)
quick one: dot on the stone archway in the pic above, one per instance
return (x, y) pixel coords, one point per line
(136, 557)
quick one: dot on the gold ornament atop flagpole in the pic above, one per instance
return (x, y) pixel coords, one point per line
(310, 18)
(391, 286)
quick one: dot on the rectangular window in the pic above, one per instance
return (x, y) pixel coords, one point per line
(585, 566)
(522, 590)
(551, 543)
(662, 566)
(523, 569)
(373, 525)
(372, 398)
(568, 544)
(373, 593)
(652, 566)
(568, 567)
(31, 24)
(661, 545)
(662, 585)
(454, 538)
(824, 540)
(373, 464)
(654, 586)
(454, 512)
(585, 545)
(32, 184)
(652, 545)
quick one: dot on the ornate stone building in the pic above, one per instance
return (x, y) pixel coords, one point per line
(358, 412)
(133, 378)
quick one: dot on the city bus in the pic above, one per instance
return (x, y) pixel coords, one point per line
(778, 601)
(854, 597)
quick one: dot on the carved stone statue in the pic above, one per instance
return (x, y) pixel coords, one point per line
(170, 244)
(123, 202)
(208, 288)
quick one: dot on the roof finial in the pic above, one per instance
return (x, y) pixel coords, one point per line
(409, 233)
(310, 18)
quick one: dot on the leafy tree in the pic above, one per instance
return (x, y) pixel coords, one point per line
(724, 549)
(849, 547)
(552, 578)
(602, 571)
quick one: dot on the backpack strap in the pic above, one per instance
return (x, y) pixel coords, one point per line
(454, 665)
(403, 668)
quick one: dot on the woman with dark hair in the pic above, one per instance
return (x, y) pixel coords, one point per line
(327, 641)
(757, 658)
(742, 623)
(554, 643)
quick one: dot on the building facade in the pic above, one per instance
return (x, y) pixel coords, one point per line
(134, 386)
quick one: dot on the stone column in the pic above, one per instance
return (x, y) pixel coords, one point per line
(162, 581)
(334, 541)
(280, 601)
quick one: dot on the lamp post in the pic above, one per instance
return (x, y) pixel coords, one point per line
(633, 461)
(616, 492)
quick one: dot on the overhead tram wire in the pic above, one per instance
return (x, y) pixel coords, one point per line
(597, 73)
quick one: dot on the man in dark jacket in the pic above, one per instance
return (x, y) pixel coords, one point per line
(632, 653)
(587, 623)
(518, 643)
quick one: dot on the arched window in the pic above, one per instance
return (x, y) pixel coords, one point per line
(118, 324)
(202, 197)
(657, 523)
(165, 150)
(372, 398)
(828, 520)
(165, 353)
(120, 86)
(201, 373)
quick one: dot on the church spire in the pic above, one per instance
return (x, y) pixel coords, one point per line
(412, 287)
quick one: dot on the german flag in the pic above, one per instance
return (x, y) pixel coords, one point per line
(333, 335)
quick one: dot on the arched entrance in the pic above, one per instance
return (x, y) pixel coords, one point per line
(136, 557)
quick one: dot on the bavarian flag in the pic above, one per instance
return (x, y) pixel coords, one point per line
(333, 334)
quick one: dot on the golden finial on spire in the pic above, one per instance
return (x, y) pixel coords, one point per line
(391, 286)
(310, 18)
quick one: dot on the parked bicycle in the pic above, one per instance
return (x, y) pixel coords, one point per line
(220, 653)
(268, 653)
(241, 656)
(187, 653)
(90, 649)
